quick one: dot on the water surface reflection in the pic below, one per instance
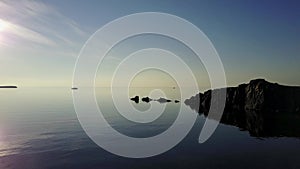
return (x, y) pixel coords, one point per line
(39, 129)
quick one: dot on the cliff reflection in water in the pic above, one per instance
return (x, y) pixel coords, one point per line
(265, 119)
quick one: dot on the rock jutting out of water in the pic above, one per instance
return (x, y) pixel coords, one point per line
(163, 100)
(135, 99)
(148, 99)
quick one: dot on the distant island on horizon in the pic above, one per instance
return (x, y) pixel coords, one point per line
(8, 87)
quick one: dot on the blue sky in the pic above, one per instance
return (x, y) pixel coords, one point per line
(40, 40)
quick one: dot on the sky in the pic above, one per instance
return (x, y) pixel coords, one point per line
(40, 40)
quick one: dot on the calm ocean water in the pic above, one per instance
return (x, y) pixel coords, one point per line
(39, 129)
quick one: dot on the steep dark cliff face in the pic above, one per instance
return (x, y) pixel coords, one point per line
(264, 109)
(258, 95)
(270, 97)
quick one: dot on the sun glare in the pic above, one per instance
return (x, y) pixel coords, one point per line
(3, 25)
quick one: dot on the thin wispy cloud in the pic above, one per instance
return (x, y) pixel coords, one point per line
(38, 44)
(38, 24)
(14, 32)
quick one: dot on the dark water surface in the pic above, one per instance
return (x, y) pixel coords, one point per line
(39, 129)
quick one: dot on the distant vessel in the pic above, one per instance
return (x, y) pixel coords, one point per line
(74, 88)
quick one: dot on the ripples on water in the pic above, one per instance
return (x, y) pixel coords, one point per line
(39, 129)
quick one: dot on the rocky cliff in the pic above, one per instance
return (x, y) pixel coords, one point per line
(258, 95)
(264, 109)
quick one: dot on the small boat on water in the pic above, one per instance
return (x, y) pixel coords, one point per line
(74, 88)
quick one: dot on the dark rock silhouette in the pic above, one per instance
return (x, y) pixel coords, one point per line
(262, 108)
(135, 99)
(146, 99)
(8, 87)
(163, 100)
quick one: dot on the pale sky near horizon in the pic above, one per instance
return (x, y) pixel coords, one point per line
(40, 40)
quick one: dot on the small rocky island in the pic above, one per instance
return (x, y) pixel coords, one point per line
(262, 108)
(136, 99)
(8, 87)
